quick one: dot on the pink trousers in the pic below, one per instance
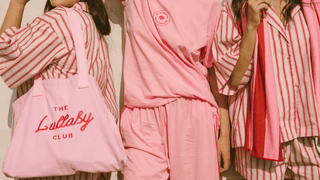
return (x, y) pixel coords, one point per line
(176, 141)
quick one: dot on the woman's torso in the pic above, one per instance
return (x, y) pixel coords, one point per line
(164, 53)
(45, 46)
(290, 52)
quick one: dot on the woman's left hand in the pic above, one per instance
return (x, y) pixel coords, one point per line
(224, 153)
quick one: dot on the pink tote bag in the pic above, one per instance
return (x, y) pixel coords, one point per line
(64, 125)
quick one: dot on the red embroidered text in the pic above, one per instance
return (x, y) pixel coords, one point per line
(63, 136)
(66, 121)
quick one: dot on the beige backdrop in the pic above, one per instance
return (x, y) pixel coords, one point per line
(116, 48)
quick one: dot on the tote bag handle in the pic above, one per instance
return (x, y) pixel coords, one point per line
(81, 56)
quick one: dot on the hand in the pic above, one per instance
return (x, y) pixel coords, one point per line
(255, 8)
(224, 153)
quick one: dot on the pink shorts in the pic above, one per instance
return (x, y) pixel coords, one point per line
(176, 141)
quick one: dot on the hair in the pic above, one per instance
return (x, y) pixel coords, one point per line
(286, 11)
(98, 12)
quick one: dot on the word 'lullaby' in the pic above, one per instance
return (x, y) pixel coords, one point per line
(65, 121)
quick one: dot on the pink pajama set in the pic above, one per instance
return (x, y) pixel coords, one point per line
(295, 96)
(170, 120)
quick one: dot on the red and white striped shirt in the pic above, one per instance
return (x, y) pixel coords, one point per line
(45, 46)
(290, 48)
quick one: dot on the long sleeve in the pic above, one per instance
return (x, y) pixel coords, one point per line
(225, 50)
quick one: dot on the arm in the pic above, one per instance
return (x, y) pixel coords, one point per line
(14, 14)
(224, 136)
(27, 51)
(245, 56)
(248, 39)
(225, 51)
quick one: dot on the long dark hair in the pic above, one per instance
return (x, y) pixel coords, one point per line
(98, 12)
(286, 11)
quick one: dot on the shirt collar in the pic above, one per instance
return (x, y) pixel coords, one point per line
(274, 20)
(295, 10)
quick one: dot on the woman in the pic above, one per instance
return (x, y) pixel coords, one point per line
(44, 46)
(170, 121)
(274, 99)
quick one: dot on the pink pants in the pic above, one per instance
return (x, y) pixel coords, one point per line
(176, 141)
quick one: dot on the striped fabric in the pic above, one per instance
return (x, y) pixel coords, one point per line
(78, 176)
(45, 46)
(301, 161)
(290, 51)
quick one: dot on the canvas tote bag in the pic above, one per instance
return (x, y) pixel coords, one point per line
(64, 125)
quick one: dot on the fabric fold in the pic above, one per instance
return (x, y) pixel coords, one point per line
(262, 129)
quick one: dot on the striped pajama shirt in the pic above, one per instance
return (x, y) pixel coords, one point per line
(45, 46)
(290, 52)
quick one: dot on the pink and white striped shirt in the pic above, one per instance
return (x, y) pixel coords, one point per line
(45, 46)
(290, 51)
